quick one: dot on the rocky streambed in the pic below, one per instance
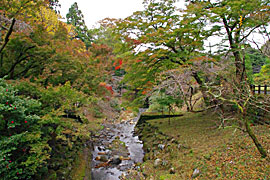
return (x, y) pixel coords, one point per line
(117, 151)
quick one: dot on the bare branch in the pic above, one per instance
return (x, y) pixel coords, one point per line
(8, 35)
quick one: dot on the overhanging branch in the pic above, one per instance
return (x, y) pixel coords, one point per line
(8, 34)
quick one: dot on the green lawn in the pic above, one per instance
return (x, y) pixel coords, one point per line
(217, 153)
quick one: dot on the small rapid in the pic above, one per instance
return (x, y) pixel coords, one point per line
(116, 141)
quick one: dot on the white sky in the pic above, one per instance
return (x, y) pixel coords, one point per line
(96, 10)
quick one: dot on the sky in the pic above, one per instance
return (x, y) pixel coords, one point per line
(96, 10)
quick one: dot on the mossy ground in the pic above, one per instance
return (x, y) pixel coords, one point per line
(82, 166)
(193, 142)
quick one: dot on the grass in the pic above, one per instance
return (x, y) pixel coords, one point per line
(217, 153)
(82, 168)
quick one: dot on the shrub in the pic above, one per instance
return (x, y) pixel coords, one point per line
(22, 150)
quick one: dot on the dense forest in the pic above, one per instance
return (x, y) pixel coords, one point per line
(61, 81)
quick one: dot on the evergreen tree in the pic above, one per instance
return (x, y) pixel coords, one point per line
(76, 18)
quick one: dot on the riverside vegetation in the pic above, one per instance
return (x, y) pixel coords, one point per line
(61, 82)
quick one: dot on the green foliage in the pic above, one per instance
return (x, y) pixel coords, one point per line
(28, 89)
(62, 98)
(76, 18)
(264, 76)
(256, 58)
(249, 69)
(24, 57)
(23, 151)
(254, 61)
(162, 102)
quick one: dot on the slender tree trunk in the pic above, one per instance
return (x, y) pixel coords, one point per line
(190, 98)
(202, 87)
(6, 40)
(254, 138)
(169, 115)
(1, 60)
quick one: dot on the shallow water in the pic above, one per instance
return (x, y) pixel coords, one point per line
(135, 148)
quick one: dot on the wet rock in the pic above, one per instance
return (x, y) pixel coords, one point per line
(103, 158)
(172, 171)
(97, 158)
(102, 153)
(157, 163)
(115, 160)
(195, 173)
(101, 148)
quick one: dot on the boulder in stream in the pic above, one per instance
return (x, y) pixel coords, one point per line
(115, 160)
(103, 158)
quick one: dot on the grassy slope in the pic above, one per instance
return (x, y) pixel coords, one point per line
(217, 153)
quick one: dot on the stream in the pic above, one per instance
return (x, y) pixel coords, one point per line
(116, 150)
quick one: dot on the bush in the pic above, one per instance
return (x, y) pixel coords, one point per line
(22, 150)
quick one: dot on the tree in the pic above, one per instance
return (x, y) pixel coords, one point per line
(235, 21)
(76, 18)
(245, 104)
(163, 39)
(239, 19)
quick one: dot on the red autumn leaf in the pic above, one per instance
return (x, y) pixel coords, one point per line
(110, 89)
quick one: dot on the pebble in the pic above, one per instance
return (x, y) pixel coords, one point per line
(161, 146)
(157, 162)
(195, 173)
(172, 171)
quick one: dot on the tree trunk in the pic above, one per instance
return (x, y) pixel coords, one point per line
(190, 98)
(202, 87)
(239, 67)
(254, 138)
(169, 115)
(1, 60)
